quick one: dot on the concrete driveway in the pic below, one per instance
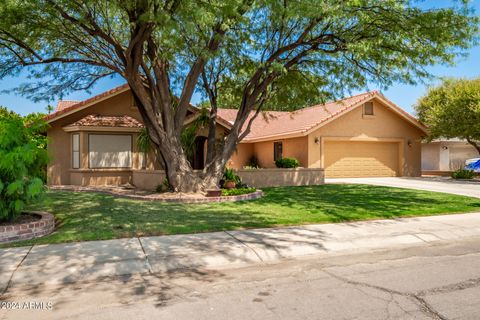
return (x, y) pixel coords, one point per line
(437, 184)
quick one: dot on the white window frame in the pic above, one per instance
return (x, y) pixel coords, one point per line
(76, 151)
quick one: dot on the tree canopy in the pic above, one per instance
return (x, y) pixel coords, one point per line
(452, 110)
(247, 54)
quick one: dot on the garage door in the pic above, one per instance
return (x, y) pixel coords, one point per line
(346, 159)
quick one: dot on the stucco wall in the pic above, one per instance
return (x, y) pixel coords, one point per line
(384, 126)
(446, 155)
(294, 147)
(261, 178)
(147, 179)
(59, 146)
(241, 156)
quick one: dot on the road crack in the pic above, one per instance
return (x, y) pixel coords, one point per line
(424, 305)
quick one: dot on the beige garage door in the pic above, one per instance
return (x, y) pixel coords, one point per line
(360, 159)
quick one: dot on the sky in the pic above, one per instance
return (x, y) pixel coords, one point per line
(403, 95)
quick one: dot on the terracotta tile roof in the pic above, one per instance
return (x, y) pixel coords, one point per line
(62, 104)
(107, 121)
(275, 123)
(78, 105)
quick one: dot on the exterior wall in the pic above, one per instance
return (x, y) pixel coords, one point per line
(385, 126)
(430, 156)
(60, 170)
(293, 147)
(241, 156)
(446, 156)
(277, 177)
(147, 179)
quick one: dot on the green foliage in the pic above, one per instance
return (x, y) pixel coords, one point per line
(230, 175)
(287, 163)
(189, 132)
(463, 174)
(252, 163)
(237, 191)
(144, 143)
(452, 109)
(164, 187)
(22, 162)
(371, 40)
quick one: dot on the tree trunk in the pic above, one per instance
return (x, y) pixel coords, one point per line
(475, 144)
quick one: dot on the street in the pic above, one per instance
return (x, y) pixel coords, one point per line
(425, 281)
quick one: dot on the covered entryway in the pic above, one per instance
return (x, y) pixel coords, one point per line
(361, 159)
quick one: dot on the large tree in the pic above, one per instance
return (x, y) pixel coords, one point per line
(452, 110)
(248, 54)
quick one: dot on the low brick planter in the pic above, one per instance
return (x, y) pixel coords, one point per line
(28, 230)
(160, 197)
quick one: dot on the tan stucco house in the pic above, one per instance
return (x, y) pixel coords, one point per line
(93, 142)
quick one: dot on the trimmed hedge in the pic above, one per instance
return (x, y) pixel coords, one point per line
(463, 174)
(237, 191)
(287, 163)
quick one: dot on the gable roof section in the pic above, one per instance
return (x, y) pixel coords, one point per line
(72, 108)
(63, 104)
(274, 124)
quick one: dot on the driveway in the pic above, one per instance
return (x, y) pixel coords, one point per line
(437, 184)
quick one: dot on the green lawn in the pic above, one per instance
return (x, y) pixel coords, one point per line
(91, 216)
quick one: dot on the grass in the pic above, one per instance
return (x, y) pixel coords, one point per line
(92, 216)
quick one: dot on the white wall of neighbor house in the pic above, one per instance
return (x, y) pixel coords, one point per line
(446, 155)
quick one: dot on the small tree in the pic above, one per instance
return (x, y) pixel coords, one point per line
(452, 110)
(22, 161)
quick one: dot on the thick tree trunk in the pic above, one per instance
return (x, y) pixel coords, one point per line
(475, 144)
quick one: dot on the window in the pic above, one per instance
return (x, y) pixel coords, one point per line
(277, 151)
(110, 151)
(368, 109)
(75, 151)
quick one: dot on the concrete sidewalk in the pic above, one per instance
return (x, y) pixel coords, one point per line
(86, 261)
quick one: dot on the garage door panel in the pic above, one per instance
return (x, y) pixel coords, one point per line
(360, 159)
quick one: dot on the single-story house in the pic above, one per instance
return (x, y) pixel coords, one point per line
(446, 155)
(93, 142)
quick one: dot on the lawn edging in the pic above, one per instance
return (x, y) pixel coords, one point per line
(180, 198)
(28, 230)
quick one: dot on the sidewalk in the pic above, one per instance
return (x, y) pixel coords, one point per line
(86, 261)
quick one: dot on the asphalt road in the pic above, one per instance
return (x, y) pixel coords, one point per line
(431, 281)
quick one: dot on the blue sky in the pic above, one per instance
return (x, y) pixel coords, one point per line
(403, 95)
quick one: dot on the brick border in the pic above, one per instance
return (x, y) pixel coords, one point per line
(29, 230)
(156, 197)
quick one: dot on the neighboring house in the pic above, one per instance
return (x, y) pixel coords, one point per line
(445, 155)
(93, 142)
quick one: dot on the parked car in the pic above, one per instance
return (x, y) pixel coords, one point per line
(473, 164)
(468, 161)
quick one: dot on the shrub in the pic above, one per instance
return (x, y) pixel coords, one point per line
(237, 191)
(463, 174)
(229, 175)
(287, 163)
(164, 186)
(22, 163)
(252, 163)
